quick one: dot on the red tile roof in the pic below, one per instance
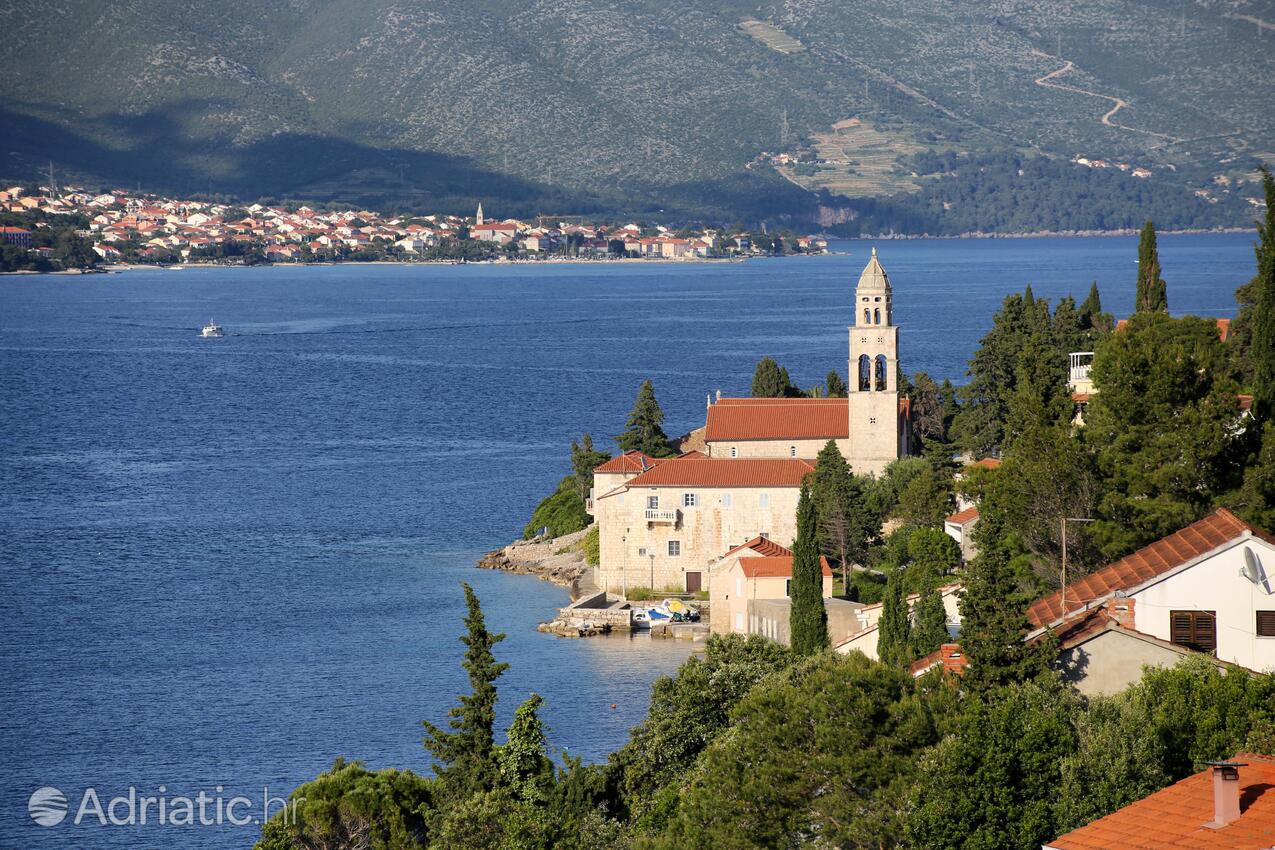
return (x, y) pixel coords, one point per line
(962, 517)
(1166, 554)
(779, 566)
(778, 419)
(698, 471)
(763, 546)
(631, 461)
(1174, 817)
(987, 463)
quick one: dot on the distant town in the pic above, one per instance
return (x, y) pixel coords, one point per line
(43, 229)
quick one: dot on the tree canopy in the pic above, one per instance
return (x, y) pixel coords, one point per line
(645, 432)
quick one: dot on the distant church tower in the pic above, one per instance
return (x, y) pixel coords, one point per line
(873, 375)
(478, 219)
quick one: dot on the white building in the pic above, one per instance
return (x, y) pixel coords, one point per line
(1209, 587)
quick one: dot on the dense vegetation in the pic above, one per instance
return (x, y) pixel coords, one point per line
(752, 746)
(416, 107)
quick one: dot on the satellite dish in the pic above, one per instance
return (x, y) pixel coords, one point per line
(1253, 571)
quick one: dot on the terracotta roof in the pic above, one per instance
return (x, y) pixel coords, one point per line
(630, 461)
(779, 419)
(986, 463)
(840, 402)
(779, 566)
(1168, 553)
(1080, 398)
(698, 471)
(962, 517)
(1244, 401)
(1174, 817)
(763, 546)
(949, 656)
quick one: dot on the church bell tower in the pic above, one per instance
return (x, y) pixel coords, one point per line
(873, 374)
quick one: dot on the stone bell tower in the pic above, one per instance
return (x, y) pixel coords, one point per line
(873, 374)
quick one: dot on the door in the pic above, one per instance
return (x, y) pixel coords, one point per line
(694, 582)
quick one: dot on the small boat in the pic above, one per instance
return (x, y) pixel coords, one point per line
(212, 330)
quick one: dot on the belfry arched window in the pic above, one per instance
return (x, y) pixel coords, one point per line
(865, 372)
(880, 372)
(867, 319)
(876, 316)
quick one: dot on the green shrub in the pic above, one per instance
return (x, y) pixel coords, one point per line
(592, 547)
(562, 513)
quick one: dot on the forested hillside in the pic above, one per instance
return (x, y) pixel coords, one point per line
(646, 106)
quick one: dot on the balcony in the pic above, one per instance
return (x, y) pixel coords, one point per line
(588, 505)
(658, 516)
(1081, 364)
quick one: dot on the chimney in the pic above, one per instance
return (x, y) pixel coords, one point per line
(1226, 793)
(1120, 609)
(719, 395)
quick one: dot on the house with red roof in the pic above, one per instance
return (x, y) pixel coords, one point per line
(1209, 587)
(1230, 805)
(757, 570)
(665, 526)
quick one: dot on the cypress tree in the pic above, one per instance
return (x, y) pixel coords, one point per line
(930, 631)
(847, 523)
(466, 755)
(1262, 350)
(893, 630)
(645, 433)
(524, 767)
(1151, 296)
(807, 619)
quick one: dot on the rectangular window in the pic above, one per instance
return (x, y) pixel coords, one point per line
(674, 548)
(726, 500)
(689, 500)
(788, 588)
(641, 551)
(1194, 629)
(739, 621)
(652, 503)
(1266, 623)
(763, 501)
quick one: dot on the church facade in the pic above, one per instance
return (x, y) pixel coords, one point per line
(663, 522)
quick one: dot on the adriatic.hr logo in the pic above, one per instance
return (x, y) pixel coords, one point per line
(48, 807)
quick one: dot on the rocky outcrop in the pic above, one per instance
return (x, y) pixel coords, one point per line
(559, 560)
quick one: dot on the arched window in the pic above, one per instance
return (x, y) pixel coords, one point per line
(876, 316)
(880, 372)
(866, 316)
(865, 372)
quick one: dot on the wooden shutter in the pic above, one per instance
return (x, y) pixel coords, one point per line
(1195, 629)
(1266, 623)
(1180, 628)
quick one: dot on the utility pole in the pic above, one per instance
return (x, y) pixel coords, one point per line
(1066, 520)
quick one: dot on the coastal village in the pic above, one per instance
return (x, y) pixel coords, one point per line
(127, 227)
(718, 521)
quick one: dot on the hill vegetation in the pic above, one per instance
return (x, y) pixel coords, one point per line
(587, 105)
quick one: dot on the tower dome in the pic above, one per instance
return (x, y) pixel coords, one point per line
(874, 278)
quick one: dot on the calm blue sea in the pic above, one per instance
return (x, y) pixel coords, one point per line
(225, 563)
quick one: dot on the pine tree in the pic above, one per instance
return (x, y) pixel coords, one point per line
(993, 624)
(1262, 350)
(466, 755)
(847, 523)
(1151, 297)
(930, 631)
(645, 433)
(770, 380)
(893, 629)
(807, 619)
(1091, 316)
(834, 385)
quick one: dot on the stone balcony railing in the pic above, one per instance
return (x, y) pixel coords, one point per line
(653, 515)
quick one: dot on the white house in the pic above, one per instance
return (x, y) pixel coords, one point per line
(1209, 587)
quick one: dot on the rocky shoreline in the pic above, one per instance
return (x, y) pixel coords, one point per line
(559, 560)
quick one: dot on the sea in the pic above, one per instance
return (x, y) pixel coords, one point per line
(225, 563)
